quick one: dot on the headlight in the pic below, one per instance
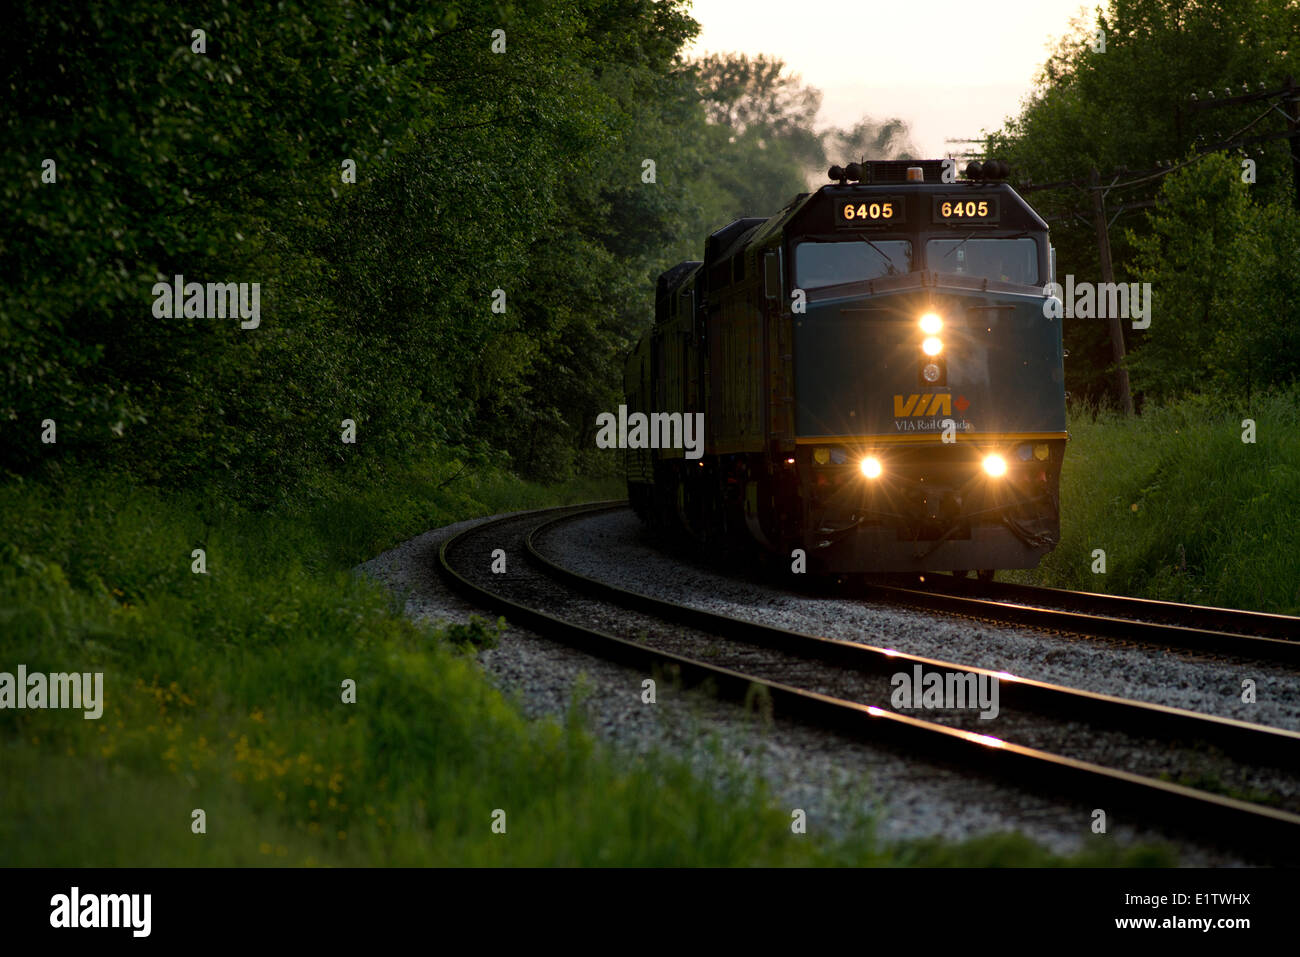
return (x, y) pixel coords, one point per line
(931, 324)
(932, 346)
(995, 465)
(871, 467)
(931, 372)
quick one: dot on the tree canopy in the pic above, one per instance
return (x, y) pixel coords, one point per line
(454, 213)
(1116, 95)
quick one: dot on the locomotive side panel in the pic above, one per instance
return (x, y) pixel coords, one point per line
(674, 347)
(779, 353)
(638, 465)
(736, 348)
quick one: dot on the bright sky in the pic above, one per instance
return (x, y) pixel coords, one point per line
(950, 68)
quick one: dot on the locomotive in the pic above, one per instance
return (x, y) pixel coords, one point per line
(880, 383)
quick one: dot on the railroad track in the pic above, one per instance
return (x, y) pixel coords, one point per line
(521, 598)
(1223, 620)
(1205, 629)
(1223, 631)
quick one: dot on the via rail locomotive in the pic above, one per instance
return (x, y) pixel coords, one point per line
(879, 382)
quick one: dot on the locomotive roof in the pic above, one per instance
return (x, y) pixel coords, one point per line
(727, 241)
(811, 213)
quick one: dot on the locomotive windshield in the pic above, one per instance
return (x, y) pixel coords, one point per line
(1008, 260)
(826, 264)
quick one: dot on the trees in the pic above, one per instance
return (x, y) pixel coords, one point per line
(1223, 265)
(204, 142)
(769, 120)
(221, 156)
(446, 207)
(1124, 106)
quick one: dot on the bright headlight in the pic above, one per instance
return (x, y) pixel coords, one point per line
(931, 324)
(932, 346)
(995, 465)
(871, 467)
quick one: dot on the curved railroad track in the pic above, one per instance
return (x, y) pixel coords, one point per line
(1203, 629)
(829, 683)
(1223, 631)
(1232, 621)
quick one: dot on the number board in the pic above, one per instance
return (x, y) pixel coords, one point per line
(966, 209)
(869, 211)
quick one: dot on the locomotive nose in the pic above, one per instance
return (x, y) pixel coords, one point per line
(934, 509)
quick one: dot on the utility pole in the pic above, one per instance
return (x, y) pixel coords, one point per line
(1293, 128)
(1288, 95)
(1108, 276)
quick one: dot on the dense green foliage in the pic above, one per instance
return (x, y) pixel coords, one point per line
(483, 162)
(377, 297)
(1218, 253)
(1225, 269)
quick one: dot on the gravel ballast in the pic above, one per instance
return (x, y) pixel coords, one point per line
(827, 776)
(614, 547)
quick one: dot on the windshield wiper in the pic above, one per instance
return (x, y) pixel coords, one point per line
(1019, 235)
(958, 246)
(892, 268)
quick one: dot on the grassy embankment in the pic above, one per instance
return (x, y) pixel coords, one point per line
(1183, 508)
(222, 692)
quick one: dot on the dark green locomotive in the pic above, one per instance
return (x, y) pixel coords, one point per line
(879, 381)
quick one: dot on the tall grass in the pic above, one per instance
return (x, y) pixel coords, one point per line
(1182, 507)
(223, 693)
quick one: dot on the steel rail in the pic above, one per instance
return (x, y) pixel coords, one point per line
(1273, 834)
(1180, 636)
(1201, 628)
(1241, 739)
(1232, 620)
